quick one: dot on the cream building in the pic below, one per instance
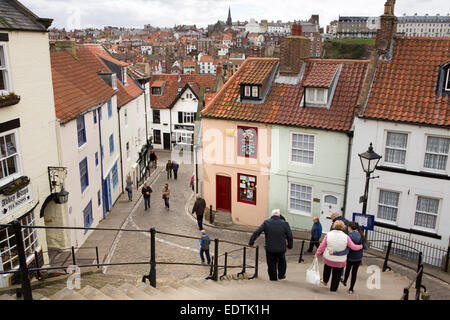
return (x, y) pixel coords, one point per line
(28, 143)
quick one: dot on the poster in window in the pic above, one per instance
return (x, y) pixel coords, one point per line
(247, 91)
(247, 189)
(247, 142)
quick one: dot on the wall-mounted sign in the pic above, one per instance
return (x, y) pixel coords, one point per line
(184, 127)
(9, 204)
(365, 221)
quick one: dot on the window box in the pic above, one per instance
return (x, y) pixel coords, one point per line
(15, 186)
(9, 100)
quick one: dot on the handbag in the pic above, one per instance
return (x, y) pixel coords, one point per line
(312, 273)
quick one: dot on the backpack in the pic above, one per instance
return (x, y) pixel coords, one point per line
(205, 242)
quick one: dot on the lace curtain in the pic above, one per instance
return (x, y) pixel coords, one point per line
(436, 153)
(426, 212)
(396, 147)
(388, 205)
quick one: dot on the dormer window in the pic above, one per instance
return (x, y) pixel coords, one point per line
(156, 91)
(316, 95)
(157, 88)
(251, 92)
(443, 83)
(447, 80)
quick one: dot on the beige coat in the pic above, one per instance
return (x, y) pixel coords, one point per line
(166, 193)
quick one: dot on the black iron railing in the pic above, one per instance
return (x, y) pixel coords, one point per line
(25, 271)
(418, 285)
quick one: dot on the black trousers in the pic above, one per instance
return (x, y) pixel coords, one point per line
(175, 174)
(200, 221)
(313, 243)
(276, 265)
(352, 266)
(335, 276)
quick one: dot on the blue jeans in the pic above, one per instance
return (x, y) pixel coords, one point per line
(130, 195)
(166, 202)
(146, 203)
(206, 252)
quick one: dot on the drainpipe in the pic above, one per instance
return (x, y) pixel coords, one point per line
(347, 171)
(120, 147)
(99, 111)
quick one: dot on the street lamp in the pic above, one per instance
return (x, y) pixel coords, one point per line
(56, 178)
(369, 161)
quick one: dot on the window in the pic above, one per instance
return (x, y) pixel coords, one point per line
(247, 188)
(396, 147)
(255, 92)
(156, 91)
(247, 142)
(247, 91)
(4, 87)
(157, 136)
(128, 149)
(436, 154)
(87, 214)
(109, 108)
(84, 179)
(96, 158)
(426, 212)
(99, 198)
(184, 137)
(156, 116)
(94, 113)
(300, 198)
(8, 246)
(115, 176)
(302, 148)
(125, 115)
(9, 157)
(447, 80)
(81, 130)
(186, 117)
(316, 95)
(111, 144)
(388, 205)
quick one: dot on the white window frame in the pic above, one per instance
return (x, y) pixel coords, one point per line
(386, 205)
(294, 210)
(188, 116)
(185, 137)
(6, 69)
(247, 91)
(312, 97)
(425, 152)
(291, 149)
(447, 80)
(255, 91)
(9, 178)
(438, 214)
(394, 164)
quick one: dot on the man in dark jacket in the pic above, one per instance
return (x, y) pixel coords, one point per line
(199, 209)
(146, 191)
(204, 247)
(175, 169)
(277, 232)
(316, 233)
(335, 217)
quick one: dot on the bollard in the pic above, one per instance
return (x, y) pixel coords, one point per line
(386, 258)
(211, 216)
(96, 255)
(215, 276)
(73, 256)
(300, 259)
(152, 275)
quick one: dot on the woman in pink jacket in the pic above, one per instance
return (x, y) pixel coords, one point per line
(335, 241)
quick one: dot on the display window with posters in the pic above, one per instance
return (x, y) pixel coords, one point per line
(246, 188)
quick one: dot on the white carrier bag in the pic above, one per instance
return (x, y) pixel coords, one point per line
(312, 273)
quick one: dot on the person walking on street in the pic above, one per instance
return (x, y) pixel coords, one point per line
(278, 236)
(204, 247)
(191, 183)
(354, 258)
(153, 159)
(316, 233)
(129, 188)
(169, 169)
(166, 195)
(175, 169)
(335, 241)
(199, 209)
(146, 191)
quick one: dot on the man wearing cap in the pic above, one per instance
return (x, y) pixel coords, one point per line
(278, 236)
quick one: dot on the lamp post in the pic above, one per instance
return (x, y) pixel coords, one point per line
(369, 161)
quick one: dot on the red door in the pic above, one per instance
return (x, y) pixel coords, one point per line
(223, 193)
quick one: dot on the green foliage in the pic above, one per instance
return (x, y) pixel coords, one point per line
(348, 48)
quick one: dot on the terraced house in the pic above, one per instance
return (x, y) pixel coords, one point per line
(27, 132)
(404, 112)
(285, 127)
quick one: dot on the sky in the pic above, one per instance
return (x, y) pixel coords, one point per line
(72, 14)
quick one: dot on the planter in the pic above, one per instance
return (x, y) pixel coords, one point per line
(9, 101)
(15, 186)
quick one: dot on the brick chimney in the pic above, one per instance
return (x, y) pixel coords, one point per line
(293, 50)
(388, 27)
(64, 45)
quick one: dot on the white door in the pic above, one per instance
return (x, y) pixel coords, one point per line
(329, 204)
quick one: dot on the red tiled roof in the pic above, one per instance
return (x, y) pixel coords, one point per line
(257, 70)
(170, 92)
(404, 88)
(321, 75)
(91, 54)
(206, 58)
(189, 64)
(76, 86)
(282, 104)
(158, 84)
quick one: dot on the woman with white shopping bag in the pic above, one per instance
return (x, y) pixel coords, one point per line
(335, 241)
(313, 274)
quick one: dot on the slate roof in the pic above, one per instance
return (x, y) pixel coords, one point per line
(283, 102)
(14, 16)
(404, 88)
(76, 86)
(170, 91)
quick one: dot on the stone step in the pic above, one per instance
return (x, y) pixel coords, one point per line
(7, 297)
(114, 293)
(133, 292)
(91, 293)
(67, 294)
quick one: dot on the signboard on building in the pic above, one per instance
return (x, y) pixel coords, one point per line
(9, 204)
(365, 221)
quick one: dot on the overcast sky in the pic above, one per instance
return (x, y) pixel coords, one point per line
(166, 13)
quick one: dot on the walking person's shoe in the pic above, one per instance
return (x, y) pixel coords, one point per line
(350, 291)
(282, 277)
(344, 283)
(323, 283)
